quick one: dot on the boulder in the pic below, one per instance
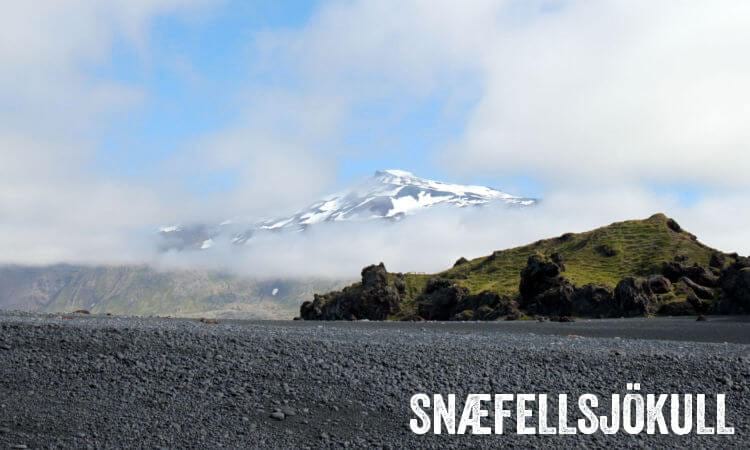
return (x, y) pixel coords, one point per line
(659, 284)
(593, 300)
(634, 297)
(701, 292)
(675, 270)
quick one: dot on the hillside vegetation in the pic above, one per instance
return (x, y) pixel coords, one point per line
(601, 256)
(630, 268)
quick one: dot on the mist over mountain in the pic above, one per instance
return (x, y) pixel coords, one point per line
(237, 268)
(389, 195)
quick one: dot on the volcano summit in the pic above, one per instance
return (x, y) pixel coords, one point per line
(388, 195)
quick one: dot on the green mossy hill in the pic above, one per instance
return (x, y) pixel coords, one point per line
(631, 268)
(603, 256)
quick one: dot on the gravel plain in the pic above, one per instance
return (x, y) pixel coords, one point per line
(77, 381)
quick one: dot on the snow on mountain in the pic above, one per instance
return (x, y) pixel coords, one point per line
(388, 195)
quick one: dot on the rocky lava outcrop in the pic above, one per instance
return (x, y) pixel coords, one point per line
(377, 297)
(443, 299)
(544, 290)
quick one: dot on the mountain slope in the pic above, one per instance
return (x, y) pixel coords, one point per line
(393, 194)
(141, 290)
(387, 195)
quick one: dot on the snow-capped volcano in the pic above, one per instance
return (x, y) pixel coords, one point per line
(389, 194)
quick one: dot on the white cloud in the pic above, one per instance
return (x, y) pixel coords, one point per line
(598, 99)
(434, 240)
(570, 90)
(53, 205)
(601, 92)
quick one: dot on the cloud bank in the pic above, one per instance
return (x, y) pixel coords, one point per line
(607, 104)
(433, 240)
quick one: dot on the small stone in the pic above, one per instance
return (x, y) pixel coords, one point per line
(277, 415)
(5, 346)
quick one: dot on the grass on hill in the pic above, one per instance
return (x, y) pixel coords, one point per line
(602, 256)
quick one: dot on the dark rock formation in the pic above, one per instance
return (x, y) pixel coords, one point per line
(674, 226)
(375, 298)
(440, 298)
(659, 284)
(566, 237)
(718, 261)
(461, 261)
(735, 287)
(634, 297)
(701, 292)
(558, 259)
(699, 305)
(543, 288)
(593, 301)
(443, 299)
(488, 306)
(675, 270)
(679, 308)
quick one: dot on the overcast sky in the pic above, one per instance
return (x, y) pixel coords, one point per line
(120, 116)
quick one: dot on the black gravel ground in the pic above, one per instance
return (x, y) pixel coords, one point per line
(101, 382)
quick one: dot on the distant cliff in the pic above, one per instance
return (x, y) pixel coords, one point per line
(141, 290)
